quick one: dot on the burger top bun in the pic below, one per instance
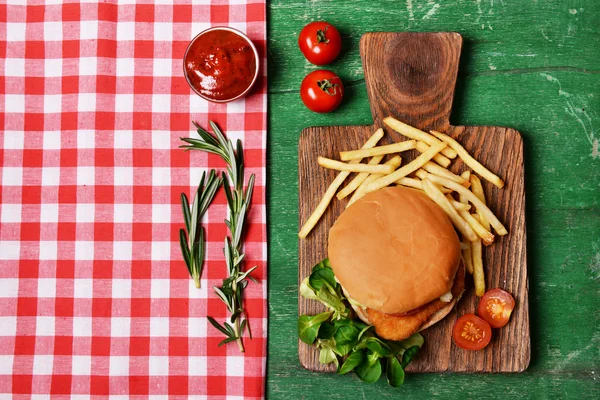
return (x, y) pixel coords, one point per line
(394, 250)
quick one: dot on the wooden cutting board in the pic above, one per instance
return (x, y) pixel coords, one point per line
(411, 76)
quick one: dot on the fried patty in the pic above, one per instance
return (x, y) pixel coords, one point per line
(402, 326)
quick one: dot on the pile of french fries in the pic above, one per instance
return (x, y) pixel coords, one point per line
(429, 173)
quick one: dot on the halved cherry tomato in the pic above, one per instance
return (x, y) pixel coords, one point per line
(320, 42)
(495, 307)
(471, 332)
(322, 91)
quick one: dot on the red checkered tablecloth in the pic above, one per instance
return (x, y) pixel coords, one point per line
(95, 298)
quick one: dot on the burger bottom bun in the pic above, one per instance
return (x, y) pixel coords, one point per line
(402, 326)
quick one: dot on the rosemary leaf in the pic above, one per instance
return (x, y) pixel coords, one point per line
(217, 325)
(201, 249)
(184, 250)
(245, 274)
(194, 220)
(226, 340)
(250, 189)
(185, 205)
(238, 202)
(235, 315)
(229, 329)
(193, 245)
(243, 326)
(246, 320)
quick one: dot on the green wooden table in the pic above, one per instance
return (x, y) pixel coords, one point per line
(531, 65)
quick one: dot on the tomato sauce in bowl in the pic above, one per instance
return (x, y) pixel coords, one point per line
(221, 64)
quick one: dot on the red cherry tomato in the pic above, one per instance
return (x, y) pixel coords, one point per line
(320, 42)
(495, 307)
(471, 332)
(322, 91)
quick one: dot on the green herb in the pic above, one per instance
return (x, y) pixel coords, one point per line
(191, 239)
(327, 352)
(409, 354)
(306, 291)
(345, 338)
(370, 369)
(322, 286)
(326, 331)
(353, 361)
(238, 200)
(337, 335)
(322, 275)
(394, 372)
(308, 327)
(377, 346)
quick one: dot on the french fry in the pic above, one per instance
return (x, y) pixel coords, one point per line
(466, 252)
(421, 173)
(438, 197)
(486, 236)
(407, 169)
(410, 182)
(417, 134)
(358, 179)
(378, 151)
(458, 206)
(477, 190)
(435, 169)
(478, 276)
(470, 161)
(461, 197)
(361, 191)
(444, 161)
(416, 184)
(333, 187)
(466, 255)
(342, 166)
(479, 205)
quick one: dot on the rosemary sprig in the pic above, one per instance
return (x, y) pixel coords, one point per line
(191, 239)
(238, 201)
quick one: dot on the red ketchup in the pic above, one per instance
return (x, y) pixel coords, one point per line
(220, 65)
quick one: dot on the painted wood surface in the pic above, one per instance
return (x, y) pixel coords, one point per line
(531, 65)
(418, 88)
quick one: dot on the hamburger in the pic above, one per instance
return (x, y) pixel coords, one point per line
(398, 259)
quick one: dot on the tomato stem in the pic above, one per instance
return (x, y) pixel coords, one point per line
(326, 84)
(321, 38)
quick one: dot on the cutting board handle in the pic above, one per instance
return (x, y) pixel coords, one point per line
(411, 76)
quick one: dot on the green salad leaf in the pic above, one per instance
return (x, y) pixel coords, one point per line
(378, 347)
(326, 330)
(408, 355)
(322, 286)
(327, 352)
(394, 372)
(364, 330)
(333, 302)
(308, 327)
(338, 335)
(354, 359)
(346, 334)
(307, 291)
(322, 277)
(327, 355)
(370, 369)
(414, 340)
